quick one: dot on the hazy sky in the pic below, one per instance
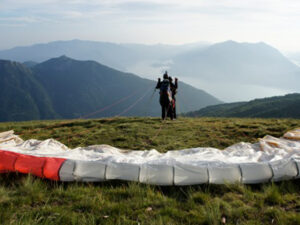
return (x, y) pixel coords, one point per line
(276, 22)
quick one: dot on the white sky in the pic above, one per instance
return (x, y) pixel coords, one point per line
(276, 22)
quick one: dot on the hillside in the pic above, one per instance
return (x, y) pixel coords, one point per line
(287, 106)
(21, 95)
(239, 63)
(78, 88)
(30, 64)
(30, 200)
(73, 88)
(227, 68)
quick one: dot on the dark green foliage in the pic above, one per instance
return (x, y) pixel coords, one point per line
(21, 95)
(287, 106)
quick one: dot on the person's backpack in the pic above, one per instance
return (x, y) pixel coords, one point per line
(165, 86)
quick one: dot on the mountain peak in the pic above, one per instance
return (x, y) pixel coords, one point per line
(229, 42)
(63, 57)
(61, 61)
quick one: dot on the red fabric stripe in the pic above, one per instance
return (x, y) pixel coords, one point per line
(47, 167)
(30, 164)
(52, 167)
(7, 161)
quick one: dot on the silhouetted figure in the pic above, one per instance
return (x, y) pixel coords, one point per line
(173, 88)
(165, 98)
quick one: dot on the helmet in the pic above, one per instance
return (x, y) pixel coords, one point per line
(166, 75)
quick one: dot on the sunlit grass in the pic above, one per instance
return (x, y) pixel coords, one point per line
(29, 200)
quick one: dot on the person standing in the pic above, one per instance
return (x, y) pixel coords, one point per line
(165, 98)
(173, 88)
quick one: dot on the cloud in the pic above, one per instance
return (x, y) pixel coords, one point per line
(73, 8)
(211, 20)
(72, 14)
(144, 6)
(12, 25)
(18, 19)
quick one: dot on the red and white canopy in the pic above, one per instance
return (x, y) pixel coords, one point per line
(269, 159)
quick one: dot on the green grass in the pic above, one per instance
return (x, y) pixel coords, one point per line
(29, 200)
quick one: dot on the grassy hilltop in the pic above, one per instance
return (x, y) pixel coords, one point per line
(29, 200)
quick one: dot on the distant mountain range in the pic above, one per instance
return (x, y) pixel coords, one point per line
(287, 106)
(66, 88)
(118, 56)
(239, 63)
(229, 70)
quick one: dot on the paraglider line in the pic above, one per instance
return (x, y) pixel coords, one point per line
(131, 106)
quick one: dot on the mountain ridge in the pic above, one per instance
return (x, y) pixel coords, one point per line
(287, 106)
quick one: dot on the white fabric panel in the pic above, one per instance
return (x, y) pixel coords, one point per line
(89, 171)
(189, 174)
(224, 174)
(259, 162)
(8, 138)
(297, 161)
(66, 171)
(156, 174)
(122, 171)
(284, 169)
(253, 173)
